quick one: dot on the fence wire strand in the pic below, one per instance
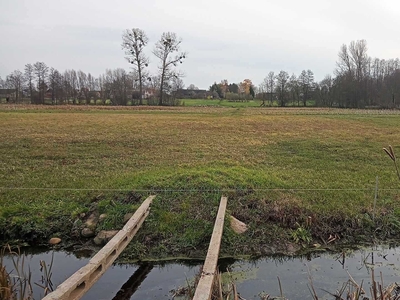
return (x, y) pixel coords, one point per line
(194, 190)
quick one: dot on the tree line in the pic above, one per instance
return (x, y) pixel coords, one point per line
(39, 82)
(281, 88)
(358, 81)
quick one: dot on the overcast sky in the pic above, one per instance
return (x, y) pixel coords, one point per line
(225, 39)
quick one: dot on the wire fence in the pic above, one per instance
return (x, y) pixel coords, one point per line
(195, 190)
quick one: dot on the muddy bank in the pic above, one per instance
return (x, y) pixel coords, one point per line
(181, 225)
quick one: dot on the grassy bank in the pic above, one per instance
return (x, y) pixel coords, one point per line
(277, 166)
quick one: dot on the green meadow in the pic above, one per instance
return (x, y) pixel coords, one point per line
(278, 167)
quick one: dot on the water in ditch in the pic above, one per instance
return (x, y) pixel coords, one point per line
(252, 278)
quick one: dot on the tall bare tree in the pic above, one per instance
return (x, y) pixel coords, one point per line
(16, 80)
(359, 57)
(83, 84)
(325, 89)
(263, 91)
(167, 50)
(55, 82)
(282, 80)
(344, 65)
(353, 71)
(92, 82)
(294, 88)
(270, 82)
(41, 70)
(176, 85)
(133, 42)
(30, 77)
(306, 82)
(120, 83)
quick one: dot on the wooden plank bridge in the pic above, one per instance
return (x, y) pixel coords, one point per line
(204, 287)
(82, 280)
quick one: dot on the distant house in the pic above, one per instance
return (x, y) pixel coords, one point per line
(149, 93)
(8, 94)
(191, 94)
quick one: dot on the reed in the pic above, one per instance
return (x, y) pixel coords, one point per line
(16, 284)
(392, 155)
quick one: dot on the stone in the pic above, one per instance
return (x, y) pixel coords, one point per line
(54, 241)
(91, 222)
(127, 217)
(104, 236)
(87, 232)
(102, 217)
(238, 226)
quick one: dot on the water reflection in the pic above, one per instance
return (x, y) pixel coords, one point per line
(133, 283)
(252, 277)
(327, 270)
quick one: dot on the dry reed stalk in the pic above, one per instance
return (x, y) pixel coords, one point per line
(392, 156)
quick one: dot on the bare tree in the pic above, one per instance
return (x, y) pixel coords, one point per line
(133, 42)
(306, 82)
(92, 82)
(176, 85)
(154, 83)
(16, 80)
(325, 87)
(282, 80)
(104, 93)
(294, 89)
(71, 85)
(167, 50)
(83, 84)
(73, 81)
(270, 85)
(55, 82)
(361, 61)
(263, 91)
(359, 57)
(2, 83)
(41, 70)
(353, 71)
(344, 65)
(116, 85)
(30, 77)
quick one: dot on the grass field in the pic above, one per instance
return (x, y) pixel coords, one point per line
(277, 167)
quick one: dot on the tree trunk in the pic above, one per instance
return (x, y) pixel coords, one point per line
(161, 89)
(140, 86)
(30, 90)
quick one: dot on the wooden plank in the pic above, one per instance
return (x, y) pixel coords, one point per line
(82, 280)
(204, 287)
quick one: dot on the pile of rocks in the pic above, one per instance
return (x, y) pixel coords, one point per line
(87, 228)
